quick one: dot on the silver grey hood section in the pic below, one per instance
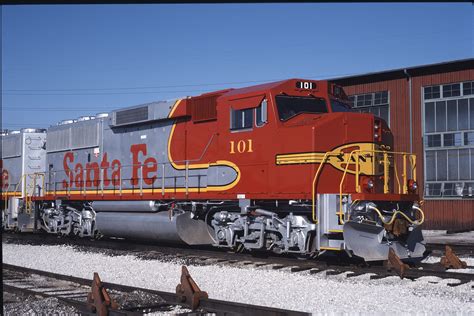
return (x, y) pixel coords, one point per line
(366, 241)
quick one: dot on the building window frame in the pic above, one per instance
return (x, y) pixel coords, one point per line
(449, 189)
(365, 108)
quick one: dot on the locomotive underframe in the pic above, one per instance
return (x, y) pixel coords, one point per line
(281, 226)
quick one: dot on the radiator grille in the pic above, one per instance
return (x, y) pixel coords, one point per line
(86, 135)
(58, 140)
(11, 146)
(131, 116)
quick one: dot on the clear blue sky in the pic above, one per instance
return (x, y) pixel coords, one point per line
(62, 62)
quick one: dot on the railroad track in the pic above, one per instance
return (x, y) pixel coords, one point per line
(460, 249)
(74, 291)
(329, 265)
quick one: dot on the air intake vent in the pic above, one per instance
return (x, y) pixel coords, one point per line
(11, 146)
(131, 116)
(203, 108)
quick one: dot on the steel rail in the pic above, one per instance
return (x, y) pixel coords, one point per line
(81, 306)
(209, 305)
(203, 256)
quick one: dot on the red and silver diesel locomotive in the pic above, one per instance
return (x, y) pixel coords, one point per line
(285, 167)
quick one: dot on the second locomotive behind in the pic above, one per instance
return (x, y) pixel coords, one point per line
(285, 167)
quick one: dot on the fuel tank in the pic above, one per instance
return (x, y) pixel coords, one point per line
(126, 206)
(160, 226)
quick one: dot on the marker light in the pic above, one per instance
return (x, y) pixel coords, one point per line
(412, 185)
(377, 131)
(367, 184)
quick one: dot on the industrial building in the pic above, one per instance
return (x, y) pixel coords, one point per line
(430, 109)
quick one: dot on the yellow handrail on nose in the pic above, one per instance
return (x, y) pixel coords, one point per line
(394, 215)
(402, 189)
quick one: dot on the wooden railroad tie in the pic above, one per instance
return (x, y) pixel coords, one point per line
(98, 299)
(394, 262)
(451, 260)
(188, 291)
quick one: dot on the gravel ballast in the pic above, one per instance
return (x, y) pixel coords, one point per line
(317, 293)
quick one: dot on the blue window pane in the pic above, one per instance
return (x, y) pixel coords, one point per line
(451, 90)
(441, 116)
(464, 164)
(453, 165)
(452, 139)
(429, 117)
(430, 165)
(452, 189)
(242, 119)
(248, 118)
(469, 138)
(468, 189)
(452, 115)
(441, 165)
(433, 140)
(472, 163)
(463, 114)
(471, 111)
(384, 114)
(432, 92)
(433, 189)
(468, 88)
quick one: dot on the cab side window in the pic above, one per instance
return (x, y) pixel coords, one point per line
(241, 119)
(244, 119)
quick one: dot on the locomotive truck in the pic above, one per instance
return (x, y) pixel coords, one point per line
(286, 167)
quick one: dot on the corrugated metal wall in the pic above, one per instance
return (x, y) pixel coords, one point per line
(440, 214)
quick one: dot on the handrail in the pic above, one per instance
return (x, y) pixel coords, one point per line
(101, 171)
(14, 191)
(342, 182)
(394, 215)
(386, 172)
(98, 179)
(396, 175)
(6, 196)
(413, 164)
(29, 198)
(314, 183)
(20, 182)
(203, 152)
(387, 157)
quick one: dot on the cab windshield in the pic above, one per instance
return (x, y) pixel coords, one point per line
(290, 106)
(338, 106)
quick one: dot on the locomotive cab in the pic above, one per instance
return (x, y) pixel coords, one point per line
(339, 162)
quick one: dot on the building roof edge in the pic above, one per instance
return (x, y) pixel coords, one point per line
(427, 69)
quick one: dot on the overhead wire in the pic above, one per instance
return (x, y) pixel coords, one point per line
(107, 108)
(153, 87)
